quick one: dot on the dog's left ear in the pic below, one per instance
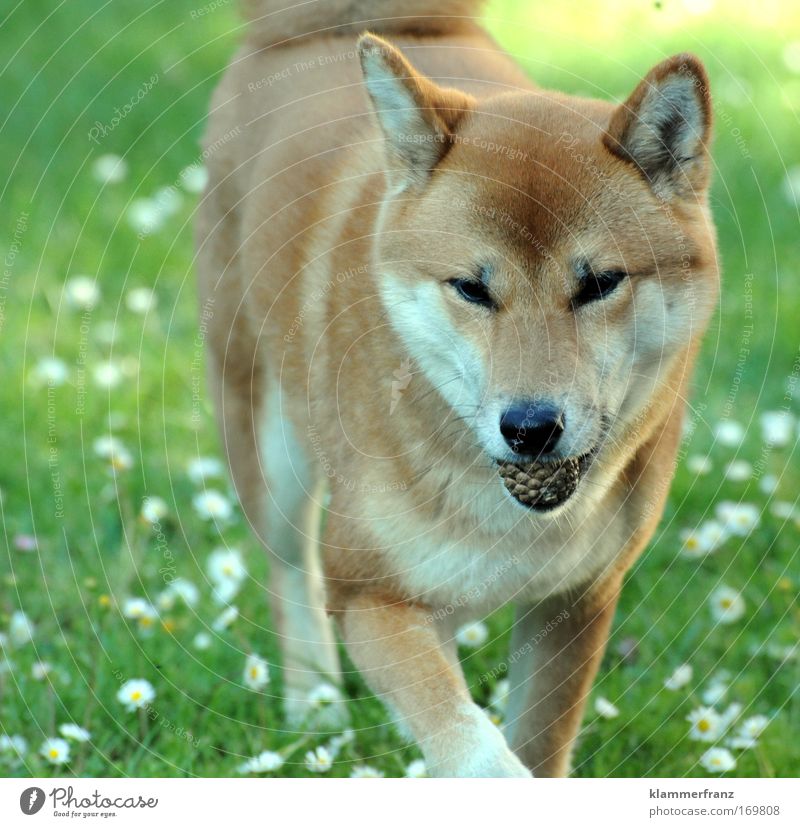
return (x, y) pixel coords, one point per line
(664, 128)
(418, 117)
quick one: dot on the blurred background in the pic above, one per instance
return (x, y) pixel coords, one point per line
(123, 557)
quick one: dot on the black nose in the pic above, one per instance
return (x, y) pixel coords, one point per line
(532, 430)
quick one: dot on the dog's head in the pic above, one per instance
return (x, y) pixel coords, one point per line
(546, 260)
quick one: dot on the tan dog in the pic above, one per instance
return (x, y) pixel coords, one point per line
(416, 266)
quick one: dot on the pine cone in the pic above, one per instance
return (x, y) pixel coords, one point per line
(541, 485)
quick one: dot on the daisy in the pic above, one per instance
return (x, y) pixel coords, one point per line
(714, 692)
(738, 518)
(782, 510)
(604, 708)
(55, 751)
(768, 484)
(417, 769)
(41, 669)
(135, 608)
(499, 697)
(324, 694)
(107, 375)
(50, 371)
(754, 726)
(777, 427)
(226, 571)
(729, 715)
(706, 724)
(82, 292)
(136, 694)
(319, 760)
(154, 509)
(168, 200)
(194, 178)
(225, 619)
(145, 216)
(703, 540)
(109, 169)
(203, 468)
(141, 300)
(25, 542)
(699, 465)
(718, 759)
(256, 672)
(15, 744)
(730, 433)
(106, 446)
(739, 470)
(184, 590)
(741, 742)
(266, 761)
(727, 605)
(472, 635)
(211, 505)
(364, 771)
(202, 641)
(20, 629)
(75, 732)
(679, 678)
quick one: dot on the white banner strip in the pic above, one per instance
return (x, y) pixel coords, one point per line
(388, 802)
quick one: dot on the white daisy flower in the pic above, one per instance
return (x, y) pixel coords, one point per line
(13, 744)
(680, 677)
(718, 759)
(75, 732)
(266, 761)
(740, 470)
(256, 672)
(324, 694)
(145, 216)
(202, 641)
(225, 619)
(136, 693)
(134, 608)
(168, 200)
(707, 725)
(184, 590)
(194, 178)
(365, 771)
(753, 727)
(55, 751)
(107, 375)
(738, 518)
(201, 469)
(777, 428)
(729, 715)
(417, 769)
(499, 697)
(768, 484)
(82, 292)
(211, 505)
(106, 446)
(120, 461)
(342, 740)
(782, 510)
(730, 433)
(41, 669)
(109, 169)
(50, 371)
(727, 605)
(154, 509)
(472, 635)
(707, 537)
(714, 693)
(20, 628)
(141, 300)
(165, 601)
(319, 760)
(604, 708)
(699, 465)
(741, 742)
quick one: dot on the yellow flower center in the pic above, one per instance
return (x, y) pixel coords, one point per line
(253, 671)
(703, 725)
(726, 603)
(136, 695)
(54, 753)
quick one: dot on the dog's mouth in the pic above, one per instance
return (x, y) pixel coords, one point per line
(543, 486)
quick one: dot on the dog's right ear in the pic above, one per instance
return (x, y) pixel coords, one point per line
(418, 117)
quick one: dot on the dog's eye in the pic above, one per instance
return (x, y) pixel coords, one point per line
(597, 286)
(473, 291)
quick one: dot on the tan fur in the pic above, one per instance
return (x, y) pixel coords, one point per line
(326, 243)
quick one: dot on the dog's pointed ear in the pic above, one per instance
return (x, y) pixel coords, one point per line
(418, 117)
(664, 128)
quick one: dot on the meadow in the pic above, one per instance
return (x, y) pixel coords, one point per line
(135, 636)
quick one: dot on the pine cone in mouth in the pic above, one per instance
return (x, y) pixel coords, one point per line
(542, 485)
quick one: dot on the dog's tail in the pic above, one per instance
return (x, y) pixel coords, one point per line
(277, 22)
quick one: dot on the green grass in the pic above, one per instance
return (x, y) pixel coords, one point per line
(67, 72)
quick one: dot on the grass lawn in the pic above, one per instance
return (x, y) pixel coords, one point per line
(75, 548)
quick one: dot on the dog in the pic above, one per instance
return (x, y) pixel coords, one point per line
(452, 318)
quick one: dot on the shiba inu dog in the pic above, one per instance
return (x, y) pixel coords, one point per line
(460, 313)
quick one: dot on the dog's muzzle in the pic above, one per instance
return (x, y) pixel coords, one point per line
(543, 486)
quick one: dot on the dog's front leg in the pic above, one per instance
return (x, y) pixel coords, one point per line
(396, 648)
(556, 649)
